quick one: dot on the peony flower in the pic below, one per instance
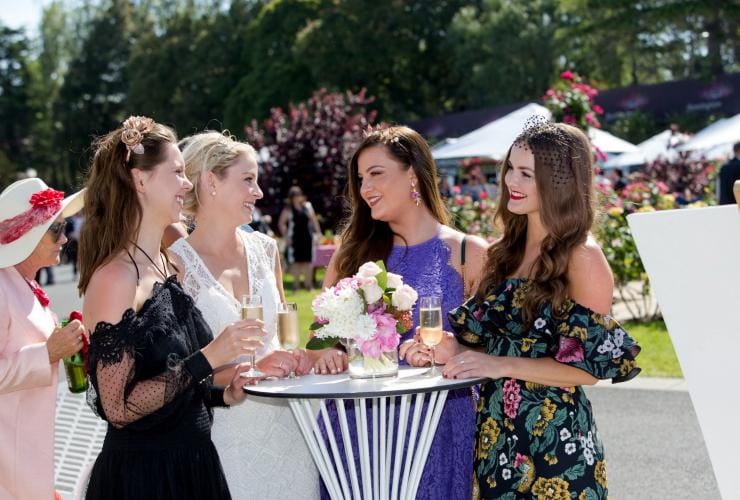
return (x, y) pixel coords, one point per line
(404, 298)
(569, 350)
(368, 270)
(373, 293)
(512, 398)
(394, 280)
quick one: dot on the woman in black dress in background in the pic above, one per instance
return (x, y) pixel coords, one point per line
(152, 356)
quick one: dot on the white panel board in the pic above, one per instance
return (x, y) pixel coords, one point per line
(693, 259)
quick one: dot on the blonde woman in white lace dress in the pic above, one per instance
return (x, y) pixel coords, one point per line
(262, 451)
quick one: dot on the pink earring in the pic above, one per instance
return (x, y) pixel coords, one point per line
(415, 194)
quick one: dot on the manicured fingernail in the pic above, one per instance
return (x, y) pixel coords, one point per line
(334, 371)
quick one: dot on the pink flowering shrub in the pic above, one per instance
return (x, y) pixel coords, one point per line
(571, 101)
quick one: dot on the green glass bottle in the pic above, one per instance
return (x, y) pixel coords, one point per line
(75, 367)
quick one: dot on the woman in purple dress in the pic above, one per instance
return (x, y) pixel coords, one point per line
(396, 205)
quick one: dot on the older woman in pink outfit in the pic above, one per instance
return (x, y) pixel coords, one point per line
(31, 344)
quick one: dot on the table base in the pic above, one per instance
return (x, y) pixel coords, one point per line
(380, 471)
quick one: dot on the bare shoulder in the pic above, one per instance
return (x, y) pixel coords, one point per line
(111, 291)
(590, 279)
(331, 270)
(476, 249)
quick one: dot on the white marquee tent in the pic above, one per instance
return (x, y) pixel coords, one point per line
(493, 139)
(716, 138)
(662, 145)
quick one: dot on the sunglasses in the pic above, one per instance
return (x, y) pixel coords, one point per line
(57, 229)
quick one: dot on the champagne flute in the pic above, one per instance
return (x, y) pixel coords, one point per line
(252, 309)
(288, 332)
(430, 326)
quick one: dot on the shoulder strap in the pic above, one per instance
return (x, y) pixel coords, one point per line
(462, 266)
(135, 266)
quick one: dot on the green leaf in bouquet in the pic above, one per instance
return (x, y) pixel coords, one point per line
(316, 343)
(316, 326)
(382, 276)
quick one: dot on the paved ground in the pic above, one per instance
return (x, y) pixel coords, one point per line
(654, 447)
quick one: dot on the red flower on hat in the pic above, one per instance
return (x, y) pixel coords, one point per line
(46, 197)
(44, 205)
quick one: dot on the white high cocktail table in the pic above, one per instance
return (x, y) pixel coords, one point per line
(381, 463)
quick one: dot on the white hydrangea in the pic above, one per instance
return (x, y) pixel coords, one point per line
(344, 308)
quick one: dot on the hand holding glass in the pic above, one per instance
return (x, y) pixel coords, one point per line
(288, 332)
(430, 326)
(252, 309)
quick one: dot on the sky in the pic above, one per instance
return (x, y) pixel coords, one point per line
(21, 13)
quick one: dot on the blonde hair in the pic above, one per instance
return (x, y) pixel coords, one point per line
(209, 151)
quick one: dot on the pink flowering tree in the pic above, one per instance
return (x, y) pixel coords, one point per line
(571, 101)
(309, 144)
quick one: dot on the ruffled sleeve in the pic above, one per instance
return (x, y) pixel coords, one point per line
(590, 341)
(469, 323)
(121, 392)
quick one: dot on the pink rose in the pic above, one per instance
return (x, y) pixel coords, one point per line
(567, 75)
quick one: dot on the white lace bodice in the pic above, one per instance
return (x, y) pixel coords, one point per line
(219, 307)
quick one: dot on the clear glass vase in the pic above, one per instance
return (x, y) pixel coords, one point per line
(362, 366)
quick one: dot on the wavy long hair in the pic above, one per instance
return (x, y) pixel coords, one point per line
(112, 209)
(364, 238)
(564, 178)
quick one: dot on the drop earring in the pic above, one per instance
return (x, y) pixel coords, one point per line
(415, 194)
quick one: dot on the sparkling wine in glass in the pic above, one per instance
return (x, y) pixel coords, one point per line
(430, 326)
(288, 332)
(252, 309)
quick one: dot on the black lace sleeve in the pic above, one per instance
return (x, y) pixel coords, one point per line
(123, 388)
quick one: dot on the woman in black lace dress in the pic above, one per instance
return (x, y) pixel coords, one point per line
(152, 356)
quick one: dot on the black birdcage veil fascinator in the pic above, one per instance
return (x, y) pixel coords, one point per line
(550, 145)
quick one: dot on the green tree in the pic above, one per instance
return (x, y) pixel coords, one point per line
(93, 97)
(396, 49)
(620, 42)
(187, 61)
(54, 48)
(504, 51)
(16, 112)
(272, 73)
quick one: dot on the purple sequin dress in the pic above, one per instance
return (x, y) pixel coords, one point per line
(448, 471)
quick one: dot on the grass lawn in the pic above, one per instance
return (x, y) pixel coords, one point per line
(657, 359)
(303, 299)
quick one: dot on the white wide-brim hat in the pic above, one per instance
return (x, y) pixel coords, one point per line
(15, 200)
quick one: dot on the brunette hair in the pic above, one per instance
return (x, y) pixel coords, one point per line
(112, 210)
(410, 149)
(564, 178)
(209, 151)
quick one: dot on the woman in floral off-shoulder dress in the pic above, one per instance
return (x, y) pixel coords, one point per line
(540, 318)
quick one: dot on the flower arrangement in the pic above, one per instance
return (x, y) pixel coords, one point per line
(473, 216)
(369, 311)
(571, 101)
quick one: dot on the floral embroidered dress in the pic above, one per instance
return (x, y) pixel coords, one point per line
(534, 440)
